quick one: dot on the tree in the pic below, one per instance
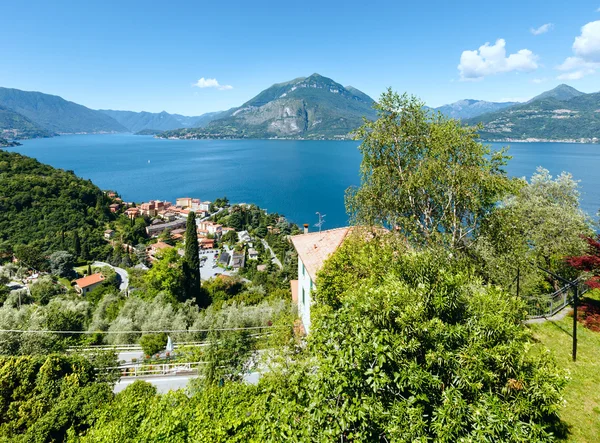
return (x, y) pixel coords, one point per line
(236, 221)
(230, 237)
(227, 356)
(191, 263)
(166, 274)
(32, 256)
(589, 262)
(539, 226)
(153, 343)
(45, 289)
(76, 244)
(434, 354)
(425, 174)
(61, 263)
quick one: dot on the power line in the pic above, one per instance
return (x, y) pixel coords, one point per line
(174, 331)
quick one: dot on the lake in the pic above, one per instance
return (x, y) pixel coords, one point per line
(294, 178)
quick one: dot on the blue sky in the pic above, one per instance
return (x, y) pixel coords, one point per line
(136, 56)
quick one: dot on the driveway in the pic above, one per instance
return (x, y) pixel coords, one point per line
(122, 273)
(274, 258)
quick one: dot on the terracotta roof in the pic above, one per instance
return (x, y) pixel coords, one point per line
(314, 248)
(89, 280)
(161, 245)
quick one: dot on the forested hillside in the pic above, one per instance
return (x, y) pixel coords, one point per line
(16, 126)
(56, 114)
(44, 207)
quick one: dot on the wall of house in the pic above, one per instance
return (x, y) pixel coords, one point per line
(305, 287)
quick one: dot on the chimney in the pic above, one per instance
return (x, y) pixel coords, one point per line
(306, 228)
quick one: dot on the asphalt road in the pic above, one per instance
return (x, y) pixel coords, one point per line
(273, 256)
(172, 382)
(122, 273)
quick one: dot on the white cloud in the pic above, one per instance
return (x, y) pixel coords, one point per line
(587, 54)
(576, 75)
(492, 59)
(542, 29)
(211, 83)
(587, 45)
(537, 81)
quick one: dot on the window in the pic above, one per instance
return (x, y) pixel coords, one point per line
(303, 301)
(311, 285)
(302, 269)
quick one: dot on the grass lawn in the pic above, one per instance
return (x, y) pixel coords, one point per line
(582, 393)
(81, 269)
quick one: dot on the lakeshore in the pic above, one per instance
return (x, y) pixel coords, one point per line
(294, 178)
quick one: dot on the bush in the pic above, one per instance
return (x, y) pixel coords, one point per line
(153, 343)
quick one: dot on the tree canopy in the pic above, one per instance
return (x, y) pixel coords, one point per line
(425, 174)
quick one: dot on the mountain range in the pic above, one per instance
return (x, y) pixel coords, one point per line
(313, 107)
(562, 113)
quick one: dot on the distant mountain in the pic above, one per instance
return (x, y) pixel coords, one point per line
(16, 126)
(469, 108)
(546, 117)
(561, 92)
(313, 107)
(205, 119)
(56, 114)
(159, 122)
(137, 121)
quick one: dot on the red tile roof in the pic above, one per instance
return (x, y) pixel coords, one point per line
(89, 280)
(314, 248)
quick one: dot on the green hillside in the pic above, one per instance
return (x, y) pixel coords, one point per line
(546, 117)
(314, 107)
(16, 126)
(56, 114)
(39, 203)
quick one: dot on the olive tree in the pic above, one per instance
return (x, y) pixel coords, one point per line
(538, 227)
(425, 174)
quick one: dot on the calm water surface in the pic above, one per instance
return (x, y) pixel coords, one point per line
(294, 178)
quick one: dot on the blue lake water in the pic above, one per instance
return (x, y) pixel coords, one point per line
(294, 178)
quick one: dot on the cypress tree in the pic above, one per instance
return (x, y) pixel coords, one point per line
(191, 263)
(76, 244)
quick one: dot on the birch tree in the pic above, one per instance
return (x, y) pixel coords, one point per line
(424, 174)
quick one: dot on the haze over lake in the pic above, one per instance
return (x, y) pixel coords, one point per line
(294, 178)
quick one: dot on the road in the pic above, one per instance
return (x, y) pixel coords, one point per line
(172, 382)
(273, 256)
(122, 273)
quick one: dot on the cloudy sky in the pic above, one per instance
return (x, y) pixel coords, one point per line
(195, 57)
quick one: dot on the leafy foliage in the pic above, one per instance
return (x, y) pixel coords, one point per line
(153, 343)
(39, 204)
(539, 226)
(191, 264)
(41, 398)
(433, 355)
(425, 174)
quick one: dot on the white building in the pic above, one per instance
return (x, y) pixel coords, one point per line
(244, 237)
(313, 249)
